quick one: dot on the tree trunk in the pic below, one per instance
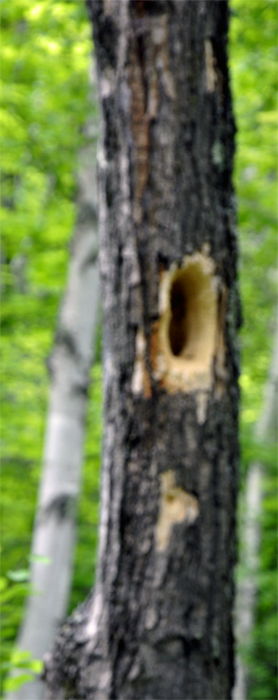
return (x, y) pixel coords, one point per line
(159, 624)
(70, 363)
(266, 429)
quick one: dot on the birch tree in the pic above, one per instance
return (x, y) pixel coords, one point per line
(266, 430)
(159, 621)
(55, 527)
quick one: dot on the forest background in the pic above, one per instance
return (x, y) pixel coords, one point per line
(47, 100)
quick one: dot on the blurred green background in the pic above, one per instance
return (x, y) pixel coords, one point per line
(46, 101)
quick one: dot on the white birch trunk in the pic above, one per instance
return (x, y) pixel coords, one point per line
(71, 360)
(247, 588)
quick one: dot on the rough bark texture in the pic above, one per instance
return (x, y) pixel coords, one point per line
(55, 529)
(159, 624)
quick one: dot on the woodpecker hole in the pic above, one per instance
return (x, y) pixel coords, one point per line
(191, 331)
(184, 342)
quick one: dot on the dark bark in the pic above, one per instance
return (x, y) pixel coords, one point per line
(160, 622)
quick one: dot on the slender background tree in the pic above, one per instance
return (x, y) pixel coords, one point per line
(54, 534)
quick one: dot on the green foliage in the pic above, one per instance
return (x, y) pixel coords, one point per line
(254, 82)
(45, 64)
(12, 596)
(263, 646)
(260, 654)
(254, 71)
(44, 59)
(21, 669)
(45, 52)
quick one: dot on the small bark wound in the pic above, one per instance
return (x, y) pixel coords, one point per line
(214, 77)
(220, 354)
(176, 506)
(211, 74)
(141, 378)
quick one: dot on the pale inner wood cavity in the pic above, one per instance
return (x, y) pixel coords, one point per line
(192, 315)
(188, 325)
